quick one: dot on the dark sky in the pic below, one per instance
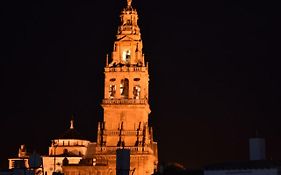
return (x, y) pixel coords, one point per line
(214, 74)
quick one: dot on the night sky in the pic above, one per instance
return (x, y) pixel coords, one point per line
(214, 74)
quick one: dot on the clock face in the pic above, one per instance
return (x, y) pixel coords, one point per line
(126, 56)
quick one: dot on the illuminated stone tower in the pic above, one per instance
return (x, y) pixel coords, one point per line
(125, 103)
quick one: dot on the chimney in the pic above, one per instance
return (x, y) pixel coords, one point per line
(122, 161)
(257, 148)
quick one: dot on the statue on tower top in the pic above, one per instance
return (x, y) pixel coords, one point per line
(129, 2)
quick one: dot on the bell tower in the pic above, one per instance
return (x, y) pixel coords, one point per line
(125, 104)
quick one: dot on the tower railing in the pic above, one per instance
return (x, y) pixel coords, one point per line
(133, 149)
(125, 69)
(123, 132)
(124, 101)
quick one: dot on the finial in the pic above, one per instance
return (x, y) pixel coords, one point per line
(129, 2)
(106, 60)
(72, 123)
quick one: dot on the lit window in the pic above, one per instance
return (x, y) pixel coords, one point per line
(124, 88)
(126, 56)
(136, 92)
(112, 91)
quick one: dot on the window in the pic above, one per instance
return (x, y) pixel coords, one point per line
(112, 91)
(136, 92)
(124, 88)
(126, 56)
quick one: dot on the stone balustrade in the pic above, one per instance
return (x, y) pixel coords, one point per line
(133, 149)
(125, 69)
(123, 132)
(124, 101)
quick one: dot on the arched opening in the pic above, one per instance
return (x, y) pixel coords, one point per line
(124, 88)
(136, 92)
(112, 91)
(126, 56)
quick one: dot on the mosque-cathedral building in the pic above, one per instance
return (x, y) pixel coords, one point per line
(125, 121)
